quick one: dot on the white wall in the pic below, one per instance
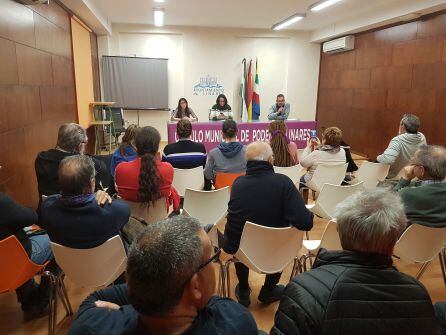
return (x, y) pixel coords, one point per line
(288, 64)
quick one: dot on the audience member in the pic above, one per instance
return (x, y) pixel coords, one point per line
(71, 140)
(328, 152)
(402, 147)
(171, 282)
(425, 199)
(285, 151)
(228, 157)
(183, 111)
(352, 167)
(126, 151)
(185, 154)
(357, 290)
(147, 179)
(221, 110)
(13, 219)
(280, 110)
(79, 218)
(268, 199)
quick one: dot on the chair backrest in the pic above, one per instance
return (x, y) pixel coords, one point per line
(117, 116)
(293, 172)
(331, 195)
(268, 250)
(150, 214)
(400, 175)
(330, 238)
(16, 266)
(188, 178)
(372, 173)
(327, 173)
(95, 267)
(419, 243)
(208, 207)
(223, 179)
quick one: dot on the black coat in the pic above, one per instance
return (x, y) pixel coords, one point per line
(352, 293)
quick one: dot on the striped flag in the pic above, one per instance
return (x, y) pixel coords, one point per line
(249, 93)
(244, 111)
(255, 95)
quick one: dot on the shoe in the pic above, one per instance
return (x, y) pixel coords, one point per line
(243, 296)
(35, 311)
(269, 296)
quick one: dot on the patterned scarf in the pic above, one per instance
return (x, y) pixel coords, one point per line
(76, 200)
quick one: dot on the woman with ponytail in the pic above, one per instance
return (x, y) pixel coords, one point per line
(146, 179)
(285, 151)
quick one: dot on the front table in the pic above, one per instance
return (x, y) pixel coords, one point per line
(209, 133)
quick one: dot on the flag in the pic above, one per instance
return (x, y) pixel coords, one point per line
(249, 93)
(244, 111)
(255, 95)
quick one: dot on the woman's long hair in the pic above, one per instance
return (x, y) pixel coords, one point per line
(279, 144)
(218, 104)
(128, 139)
(147, 143)
(179, 115)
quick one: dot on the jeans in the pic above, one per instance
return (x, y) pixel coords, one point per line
(243, 275)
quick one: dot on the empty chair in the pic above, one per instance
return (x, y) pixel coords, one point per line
(293, 172)
(150, 213)
(188, 178)
(420, 244)
(223, 179)
(330, 196)
(371, 174)
(265, 250)
(327, 173)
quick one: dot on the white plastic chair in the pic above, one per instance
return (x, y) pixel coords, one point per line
(420, 244)
(327, 174)
(150, 214)
(293, 172)
(265, 250)
(330, 196)
(371, 174)
(188, 178)
(95, 267)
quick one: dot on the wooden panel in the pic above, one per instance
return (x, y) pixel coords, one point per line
(11, 161)
(370, 98)
(426, 50)
(95, 64)
(339, 62)
(17, 23)
(8, 63)
(414, 101)
(54, 13)
(401, 33)
(444, 50)
(366, 40)
(329, 79)
(53, 101)
(34, 66)
(432, 27)
(430, 75)
(355, 79)
(392, 77)
(335, 97)
(373, 57)
(51, 38)
(62, 77)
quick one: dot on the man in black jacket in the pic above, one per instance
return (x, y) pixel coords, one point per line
(357, 290)
(268, 199)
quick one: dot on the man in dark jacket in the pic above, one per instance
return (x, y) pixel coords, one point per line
(268, 199)
(357, 290)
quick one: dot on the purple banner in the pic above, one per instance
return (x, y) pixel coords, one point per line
(209, 133)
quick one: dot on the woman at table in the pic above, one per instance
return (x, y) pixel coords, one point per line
(183, 111)
(285, 151)
(221, 110)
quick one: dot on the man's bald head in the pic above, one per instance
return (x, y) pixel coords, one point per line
(259, 151)
(76, 175)
(433, 159)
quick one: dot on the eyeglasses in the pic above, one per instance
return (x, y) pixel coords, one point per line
(214, 259)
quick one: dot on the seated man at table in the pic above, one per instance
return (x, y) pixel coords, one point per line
(280, 110)
(185, 154)
(171, 284)
(264, 198)
(74, 218)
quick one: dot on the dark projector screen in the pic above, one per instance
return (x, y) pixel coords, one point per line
(135, 82)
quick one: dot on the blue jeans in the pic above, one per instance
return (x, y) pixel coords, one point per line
(41, 249)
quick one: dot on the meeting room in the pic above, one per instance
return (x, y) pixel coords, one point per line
(223, 167)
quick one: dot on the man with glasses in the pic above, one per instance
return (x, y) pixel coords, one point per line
(280, 110)
(171, 282)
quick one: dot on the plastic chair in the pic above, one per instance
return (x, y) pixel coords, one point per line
(420, 244)
(149, 213)
(265, 250)
(371, 174)
(17, 269)
(188, 178)
(293, 172)
(330, 196)
(327, 174)
(223, 179)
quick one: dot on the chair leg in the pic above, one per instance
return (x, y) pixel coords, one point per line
(422, 270)
(221, 282)
(64, 295)
(228, 277)
(52, 306)
(442, 256)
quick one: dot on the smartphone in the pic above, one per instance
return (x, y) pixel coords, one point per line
(313, 136)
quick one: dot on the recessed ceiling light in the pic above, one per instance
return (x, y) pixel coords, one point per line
(158, 17)
(288, 21)
(322, 4)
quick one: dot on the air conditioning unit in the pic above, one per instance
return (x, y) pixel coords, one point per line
(34, 2)
(342, 44)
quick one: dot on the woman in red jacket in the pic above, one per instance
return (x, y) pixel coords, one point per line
(146, 179)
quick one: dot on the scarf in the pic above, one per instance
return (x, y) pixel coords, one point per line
(328, 148)
(76, 200)
(283, 134)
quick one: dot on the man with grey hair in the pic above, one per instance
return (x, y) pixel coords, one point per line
(423, 187)
(268, 199)
(171, 282)
(357, 290)
(71, 140)
(402, 147)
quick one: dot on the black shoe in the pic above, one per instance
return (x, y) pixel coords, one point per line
(35, 311)
(268, 296)
(243, 296)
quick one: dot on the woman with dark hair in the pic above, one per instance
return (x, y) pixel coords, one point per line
(146, 179)
(285, 151)
(183, 111)
(221, 110)
(126, 151)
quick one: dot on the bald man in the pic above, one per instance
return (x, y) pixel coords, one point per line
(267, 199)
